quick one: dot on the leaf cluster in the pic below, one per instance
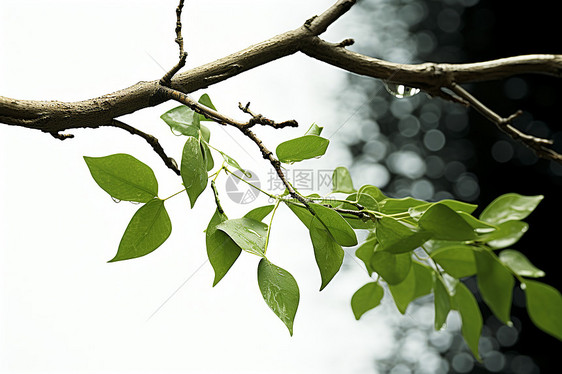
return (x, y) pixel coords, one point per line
(413, 247)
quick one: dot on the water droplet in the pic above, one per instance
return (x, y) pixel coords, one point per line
(115, 200)
(444, 327)
(400, 91)
(523, 286)
(134, 202)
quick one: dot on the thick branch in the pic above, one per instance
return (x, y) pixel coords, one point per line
(54, 116)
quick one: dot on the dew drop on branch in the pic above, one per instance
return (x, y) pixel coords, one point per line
(400, 91)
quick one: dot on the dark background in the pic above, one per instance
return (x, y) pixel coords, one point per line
(482, 30)
(496, 29)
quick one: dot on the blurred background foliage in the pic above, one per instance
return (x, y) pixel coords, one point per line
(431, 149)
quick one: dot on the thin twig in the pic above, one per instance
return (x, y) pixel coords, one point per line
(153, 141)
(166, 80)
(258, 119)
(538, 145)
(244, 128)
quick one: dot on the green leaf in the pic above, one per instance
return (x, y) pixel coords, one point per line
(457, 260)
(544, 305)
(303, 148)
(396, 237)
(455, 205)
(372, 191)
(123, 177)
(393, 206)
(221, 250)
(193, 169)
(510, 207)
(495, 283)
(446, 224)
(314, 129)
(248, 233)
(337, 226)
(260, 212)
(365, 252)
(466, 304)
(442, 301)
(366, 298)
(507, 234)
(480, 227)
(147, 230)
(280, 291)
(520, 264)
(418, 282)
(206, 100)
(209, 162)
(341, 181)
(205, 133)
(183, 121)
(302, 213)
(393, 268)
(232, 162)
(327, 252)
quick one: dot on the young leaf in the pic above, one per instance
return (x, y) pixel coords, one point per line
(123, 177)
(366, 298)
(520, 264)
(327, 252)
(418, 282)
(260, 212)
(248, 233)
(457, 260)
(393, 268)
(193, 169)
(466, 304)
(396, 237)
(337, 226)
(232, 162)
(221, 250)
(280, 291)
(182, 120)
(507, 234)
(446, 224)
(544, 305)
(341, 181)
(442, 301)
(303, 148)
(206, 100)
(372, 191)
(147, 230)
(495, 283)
(365, 252)
(314, 129)
(510, 207)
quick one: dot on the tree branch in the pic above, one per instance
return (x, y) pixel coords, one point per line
(538, 145)
(55, 117)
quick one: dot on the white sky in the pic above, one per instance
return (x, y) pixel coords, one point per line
(62, 307)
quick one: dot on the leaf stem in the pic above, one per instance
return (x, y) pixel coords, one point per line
(177, 193)
(270, 224)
